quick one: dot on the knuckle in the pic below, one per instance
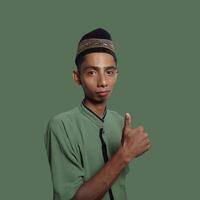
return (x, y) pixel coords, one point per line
(146, 135)
(141, 128)
(148, 146)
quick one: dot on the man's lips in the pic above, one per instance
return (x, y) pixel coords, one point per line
(103, 93)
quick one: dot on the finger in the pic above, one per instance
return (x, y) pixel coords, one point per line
(127, 121)
(148, 141)
(146, 136)
(148, 147)
(141, 128)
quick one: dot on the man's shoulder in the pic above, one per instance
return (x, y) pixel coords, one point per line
(66, 114)
(61, 126)
(65, 117)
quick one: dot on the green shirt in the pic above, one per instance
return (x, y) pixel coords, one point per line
(74, 149)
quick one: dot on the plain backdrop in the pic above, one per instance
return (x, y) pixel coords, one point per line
(157, 44)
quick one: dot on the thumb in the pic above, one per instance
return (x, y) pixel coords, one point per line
(127, 121)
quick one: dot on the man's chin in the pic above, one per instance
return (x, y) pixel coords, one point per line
(100, 100)
(97, 100)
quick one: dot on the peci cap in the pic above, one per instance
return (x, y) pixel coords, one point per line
(98, 40)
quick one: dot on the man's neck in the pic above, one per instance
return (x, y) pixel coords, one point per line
(97, 108)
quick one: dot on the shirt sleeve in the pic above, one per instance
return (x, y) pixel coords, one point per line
(66, 170)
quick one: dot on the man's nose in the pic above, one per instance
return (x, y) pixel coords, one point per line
(102, 82)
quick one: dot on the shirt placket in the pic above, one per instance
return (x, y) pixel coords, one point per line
(105, 151)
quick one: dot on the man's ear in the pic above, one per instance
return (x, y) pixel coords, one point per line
(76, 77)
(117, 74)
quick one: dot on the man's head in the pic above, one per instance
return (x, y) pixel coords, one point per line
(96, 65)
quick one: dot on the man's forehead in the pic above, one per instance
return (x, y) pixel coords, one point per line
(98, 67)
(98, 59)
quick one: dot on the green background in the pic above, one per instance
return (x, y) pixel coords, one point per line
(158, 49)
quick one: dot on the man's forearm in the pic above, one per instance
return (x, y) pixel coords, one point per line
(96, 187)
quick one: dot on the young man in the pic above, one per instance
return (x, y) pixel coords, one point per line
(89, 147)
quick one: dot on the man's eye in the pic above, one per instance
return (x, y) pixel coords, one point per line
(110, 72)
(91, 72)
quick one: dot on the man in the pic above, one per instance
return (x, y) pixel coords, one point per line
(89, 147)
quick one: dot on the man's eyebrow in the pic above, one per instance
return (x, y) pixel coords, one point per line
(97, 68)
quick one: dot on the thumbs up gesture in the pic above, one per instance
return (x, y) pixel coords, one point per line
(134, 141)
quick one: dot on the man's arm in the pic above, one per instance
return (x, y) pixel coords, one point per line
(134, 143)
(96, 187)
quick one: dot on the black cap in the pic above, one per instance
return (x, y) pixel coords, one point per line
(98, 40)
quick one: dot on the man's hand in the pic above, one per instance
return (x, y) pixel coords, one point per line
(134, 140)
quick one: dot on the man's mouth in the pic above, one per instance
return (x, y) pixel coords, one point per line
(103, 93)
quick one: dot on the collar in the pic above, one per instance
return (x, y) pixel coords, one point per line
(93, 116)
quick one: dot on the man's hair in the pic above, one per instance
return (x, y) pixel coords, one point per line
(79, 62)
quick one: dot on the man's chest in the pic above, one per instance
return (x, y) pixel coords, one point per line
(93, 144)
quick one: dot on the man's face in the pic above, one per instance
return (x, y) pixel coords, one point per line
(97, 75)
